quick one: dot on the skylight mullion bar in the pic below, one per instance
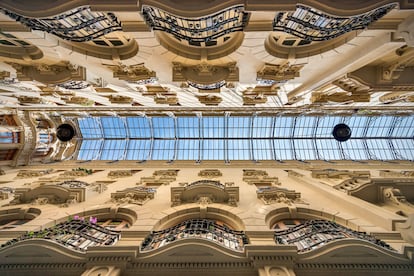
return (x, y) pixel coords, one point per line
(272, 136)
(128, 134)
(315, 146)
(364, 141)
(292, 137)
(394, 123)
(251, 152)
(176, 135)
(200, 135)
(151, 139)
(226, 136)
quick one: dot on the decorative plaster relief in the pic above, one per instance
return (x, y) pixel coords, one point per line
(340, 174)
(270, 195)
(135, 195)
(205, 192)
(210, 173)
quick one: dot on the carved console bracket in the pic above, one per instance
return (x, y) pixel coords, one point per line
(210, 173)
(50, 74)
(270, 195)
(132, 73)
(340, 174)
(161, 95)
(160, 177)
(279, 72)
(205, 73)
(259, 94)
(122, 173)
(135, 195)
(259, 178)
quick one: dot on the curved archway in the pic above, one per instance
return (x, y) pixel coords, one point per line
(195, 212)
(224, 46)
(116, 45)
(11, 218)
(12, 48)
(283, 213)
(285, 46)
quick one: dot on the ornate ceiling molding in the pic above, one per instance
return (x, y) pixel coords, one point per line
(395, 97)
(50, 74)
(258, 94)
(205, 192)
(4, 74)
(340, 174)
(205, 73)
(161, 95)
(135, 195)
(160, 177)
(121, 173)
(270, 195)
(279, 72)
(259, 178)
(210, 100)
(132, 73)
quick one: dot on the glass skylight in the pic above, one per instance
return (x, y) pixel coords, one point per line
(254, 138)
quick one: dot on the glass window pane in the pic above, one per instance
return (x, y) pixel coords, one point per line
(163, 127)
(90, 149)
(138, 127)
(213, 149)
(138, 150)
(113, 150)
(113, 127)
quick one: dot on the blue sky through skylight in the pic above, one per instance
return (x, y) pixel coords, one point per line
(245, 138)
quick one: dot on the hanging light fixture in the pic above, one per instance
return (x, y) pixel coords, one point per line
(65, 132)
(341, 132)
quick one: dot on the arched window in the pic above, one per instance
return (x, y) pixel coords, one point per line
(206, 229)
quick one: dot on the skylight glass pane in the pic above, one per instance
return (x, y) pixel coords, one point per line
(328, 149)
(354, 149)
(188, 149)
(358, 125)
(380, 126)
(283, 126)
(90, 127)
(246, 138)
(262, 149)
(304, 149)
(138, 150)
(213, 127)
(404, 127)
(262, 127)
(163, 150)
(113, 127)
(283, 149)
(326, 124)
(404, 148)
(188, 127)
(90, 150)
(213, 149)
(305, 126)
(380, 149)
(163, 127)
(138, 127)
(239, 127)
(239, 149)
(113, 150)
